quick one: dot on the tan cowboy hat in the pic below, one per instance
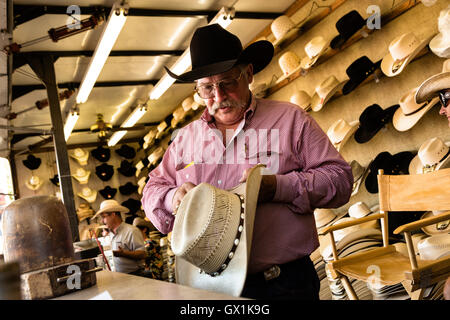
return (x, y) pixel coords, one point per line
(178, 115)
(324, 217)
(81, 175)
(80, 155)
(410, 112)
(433, 155)
(281, 28)
(149, 138)
(212, 235)
(111, 206)
(401, 52)
(258, 89)
(314, 49)
(199, 101)
(187, 103)
(84, 211)
(434, 247)
(324, 91)
(302, 99)
(340, 131)
(359, 173)
(88, 194)
(440, 44)
(141, 184)
(34, 183)
(431, 86)
(437, 228)
(360, 210)
(289, 63)
(156, 155)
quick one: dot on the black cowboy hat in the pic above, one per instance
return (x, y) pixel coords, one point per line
(126, 152)
(104, 171)
(55, 180)
(396, 164)
(128, 188)
(108, 192)
(347, 26)
(215, 50)
(126, 168)
(133, 205)
(358, 71)
(101, 154)
(32, 162)
(371, 120)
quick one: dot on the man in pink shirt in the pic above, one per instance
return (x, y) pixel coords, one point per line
(237, 131)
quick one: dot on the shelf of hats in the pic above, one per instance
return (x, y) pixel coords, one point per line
(359, 84)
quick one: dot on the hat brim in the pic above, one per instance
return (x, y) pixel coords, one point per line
(117, 208)
(354, 126)
(404, 122)
(231, 280)
(306, 63)
(431, 86)
(259, 54)
(317, 103)
(388, 61)
(432, 230)
(416, 166)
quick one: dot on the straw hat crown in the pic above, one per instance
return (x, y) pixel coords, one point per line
(281, 25)
(433, 151)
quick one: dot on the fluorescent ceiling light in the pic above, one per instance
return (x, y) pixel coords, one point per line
(224, 18)
(71, 120)
(114, 25)
(129, 122)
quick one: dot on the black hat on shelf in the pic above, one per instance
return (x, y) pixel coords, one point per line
(126, 152)
(101, 154)
(133, 205)
(128, 188)
(55, 180)
(347, 26)
(104, 171)
(126, 168)
(396, 164)
(371, 120)
(358, 71)
(108, 192)
(31, 162)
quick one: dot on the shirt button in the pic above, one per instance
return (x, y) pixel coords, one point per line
(187, 176)
(219, 181)
(167, 221)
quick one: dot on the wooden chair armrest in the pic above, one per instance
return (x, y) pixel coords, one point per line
(350, 223)
(422, 223)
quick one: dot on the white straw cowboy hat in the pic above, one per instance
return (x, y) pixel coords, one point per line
(433, 155)
(155, 155)
(437, 228)
(88, 194)
(178, 116)
(302, 99)
(81, 175)
(141, 184)
(314, 49)
(359, 173)
(111, 206)
(289, 63)
(340, 131)
(149, 138)
(431, 86)
(324, 217)
(80, 155)
(410, 112)
(187, 103)
(401, 52)
(440, 44)
(434, 247)
(34, 183)
(324, 91)
(84, 211)
(258, 89)
(280, 28)
(360, 210)
(212, 235)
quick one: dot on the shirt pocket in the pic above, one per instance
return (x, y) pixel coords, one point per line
(270, 159)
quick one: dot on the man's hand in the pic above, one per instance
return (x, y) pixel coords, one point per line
(180, 193)
(267, 188)
(135, 255)
(118, 252)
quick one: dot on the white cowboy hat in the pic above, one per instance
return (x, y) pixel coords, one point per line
(289, 63)
(34, 183)
(440, 44)
(111, 206)
(81, 175)
(187, 103)
(340, 131)
(84, 211)
(359, 173)
(324, 91)
(281, 28)
(141, 184)
(360, 210)
(258, 89)
(212, 235)
(324, 217)
(401, 51)
(410, 112)
(160, 128)
(80, 155)
(156, 155)
(302, 99)
(149, 138)
(437, 228)
(88, 194)
(433, 155)
(434, 247)
(314, 49)
(178, 116)
(199, 101)
(431, 86)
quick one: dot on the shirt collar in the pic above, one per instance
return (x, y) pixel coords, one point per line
(248, 113)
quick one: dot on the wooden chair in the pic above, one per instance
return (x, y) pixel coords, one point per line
(421, 192)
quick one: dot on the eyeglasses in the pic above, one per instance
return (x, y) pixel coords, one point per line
(206, 91)
(444, 97)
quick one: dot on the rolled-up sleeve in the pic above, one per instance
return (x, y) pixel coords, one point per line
(325, 178)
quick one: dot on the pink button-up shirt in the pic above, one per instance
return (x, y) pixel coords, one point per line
(310, 174)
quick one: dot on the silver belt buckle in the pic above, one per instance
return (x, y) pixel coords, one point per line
(272, 273)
